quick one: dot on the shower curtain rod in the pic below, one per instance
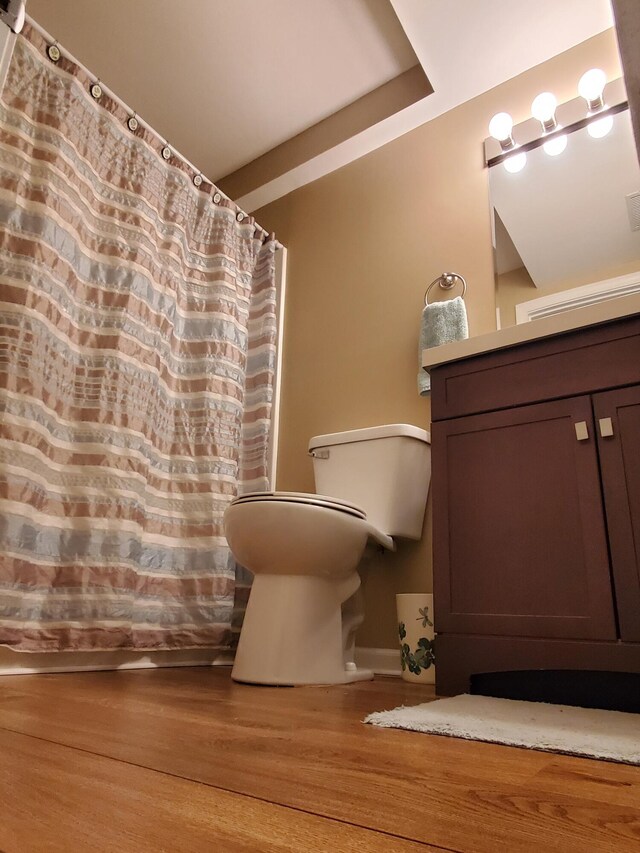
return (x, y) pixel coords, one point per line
(111, 94)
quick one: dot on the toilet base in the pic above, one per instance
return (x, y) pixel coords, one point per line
(297, 632)
(350, 677)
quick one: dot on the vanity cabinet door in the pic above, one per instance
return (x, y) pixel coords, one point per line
(519, 536)
(618, 420)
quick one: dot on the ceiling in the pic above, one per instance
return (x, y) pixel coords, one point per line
(225, 81)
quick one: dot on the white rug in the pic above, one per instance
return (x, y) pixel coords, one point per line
(610, 735)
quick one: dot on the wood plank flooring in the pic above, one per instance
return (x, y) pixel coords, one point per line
(186, 760)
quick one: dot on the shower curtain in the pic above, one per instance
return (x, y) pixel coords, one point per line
(137, 353)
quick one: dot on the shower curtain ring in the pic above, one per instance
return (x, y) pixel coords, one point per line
(53, 52)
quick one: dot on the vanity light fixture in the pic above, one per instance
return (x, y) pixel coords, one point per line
(544, 109)
(603, 100)
(500, 128)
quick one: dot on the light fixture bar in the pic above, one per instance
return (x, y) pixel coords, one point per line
(570, 116)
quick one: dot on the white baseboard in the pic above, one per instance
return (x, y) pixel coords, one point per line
(381, 661)
(30, 663)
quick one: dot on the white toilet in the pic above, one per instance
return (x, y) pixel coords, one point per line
(304, 549)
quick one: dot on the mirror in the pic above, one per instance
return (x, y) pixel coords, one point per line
(568, 220)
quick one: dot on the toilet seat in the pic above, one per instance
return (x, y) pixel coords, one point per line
(302, 498)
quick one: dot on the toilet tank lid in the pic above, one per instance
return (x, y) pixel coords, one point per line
(370, 433)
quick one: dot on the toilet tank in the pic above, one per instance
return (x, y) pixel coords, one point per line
(385, 470)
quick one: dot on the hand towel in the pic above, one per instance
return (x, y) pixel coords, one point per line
(442, 323)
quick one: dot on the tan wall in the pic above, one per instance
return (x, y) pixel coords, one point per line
(363, 243)
(512, 288)
(374, 107)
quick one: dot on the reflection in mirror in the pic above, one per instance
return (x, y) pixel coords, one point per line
(569, 220)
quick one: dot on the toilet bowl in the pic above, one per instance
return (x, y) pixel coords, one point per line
(304, 606)
(304, 550)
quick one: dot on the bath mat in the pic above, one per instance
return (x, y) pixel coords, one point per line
(609, 735)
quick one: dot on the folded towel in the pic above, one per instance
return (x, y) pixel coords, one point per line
(442, 323)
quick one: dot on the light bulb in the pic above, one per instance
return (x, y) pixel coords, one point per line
(591, 86)
(516, 162)
(598, 129)
(556, 145)
(544, 109)
(500, 126)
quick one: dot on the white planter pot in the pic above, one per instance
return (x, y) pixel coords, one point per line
(415, 632)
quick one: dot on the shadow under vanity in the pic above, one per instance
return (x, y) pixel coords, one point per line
(536, 513)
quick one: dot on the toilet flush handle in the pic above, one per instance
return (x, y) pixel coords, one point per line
(320, 453)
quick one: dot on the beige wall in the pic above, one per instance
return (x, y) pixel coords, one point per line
(364, 242)
(512, 288)
(374, 107)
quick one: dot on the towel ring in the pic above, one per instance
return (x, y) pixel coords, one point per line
(446, 281)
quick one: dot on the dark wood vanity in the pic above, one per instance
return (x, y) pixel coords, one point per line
(536, 506)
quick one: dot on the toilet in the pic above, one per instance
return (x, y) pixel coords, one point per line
(304, 550)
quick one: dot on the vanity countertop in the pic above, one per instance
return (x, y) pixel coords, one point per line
(591, 315)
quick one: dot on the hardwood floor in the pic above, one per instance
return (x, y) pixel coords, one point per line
(186, 760)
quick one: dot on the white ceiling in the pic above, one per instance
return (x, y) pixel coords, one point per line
(227, 80)
(469, 46)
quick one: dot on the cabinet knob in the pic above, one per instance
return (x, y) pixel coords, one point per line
(582, 433)
(606, 427)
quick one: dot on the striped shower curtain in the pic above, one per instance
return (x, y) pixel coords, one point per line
(137, 353)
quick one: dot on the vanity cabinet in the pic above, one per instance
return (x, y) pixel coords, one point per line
(619, 414)
(536, 506)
